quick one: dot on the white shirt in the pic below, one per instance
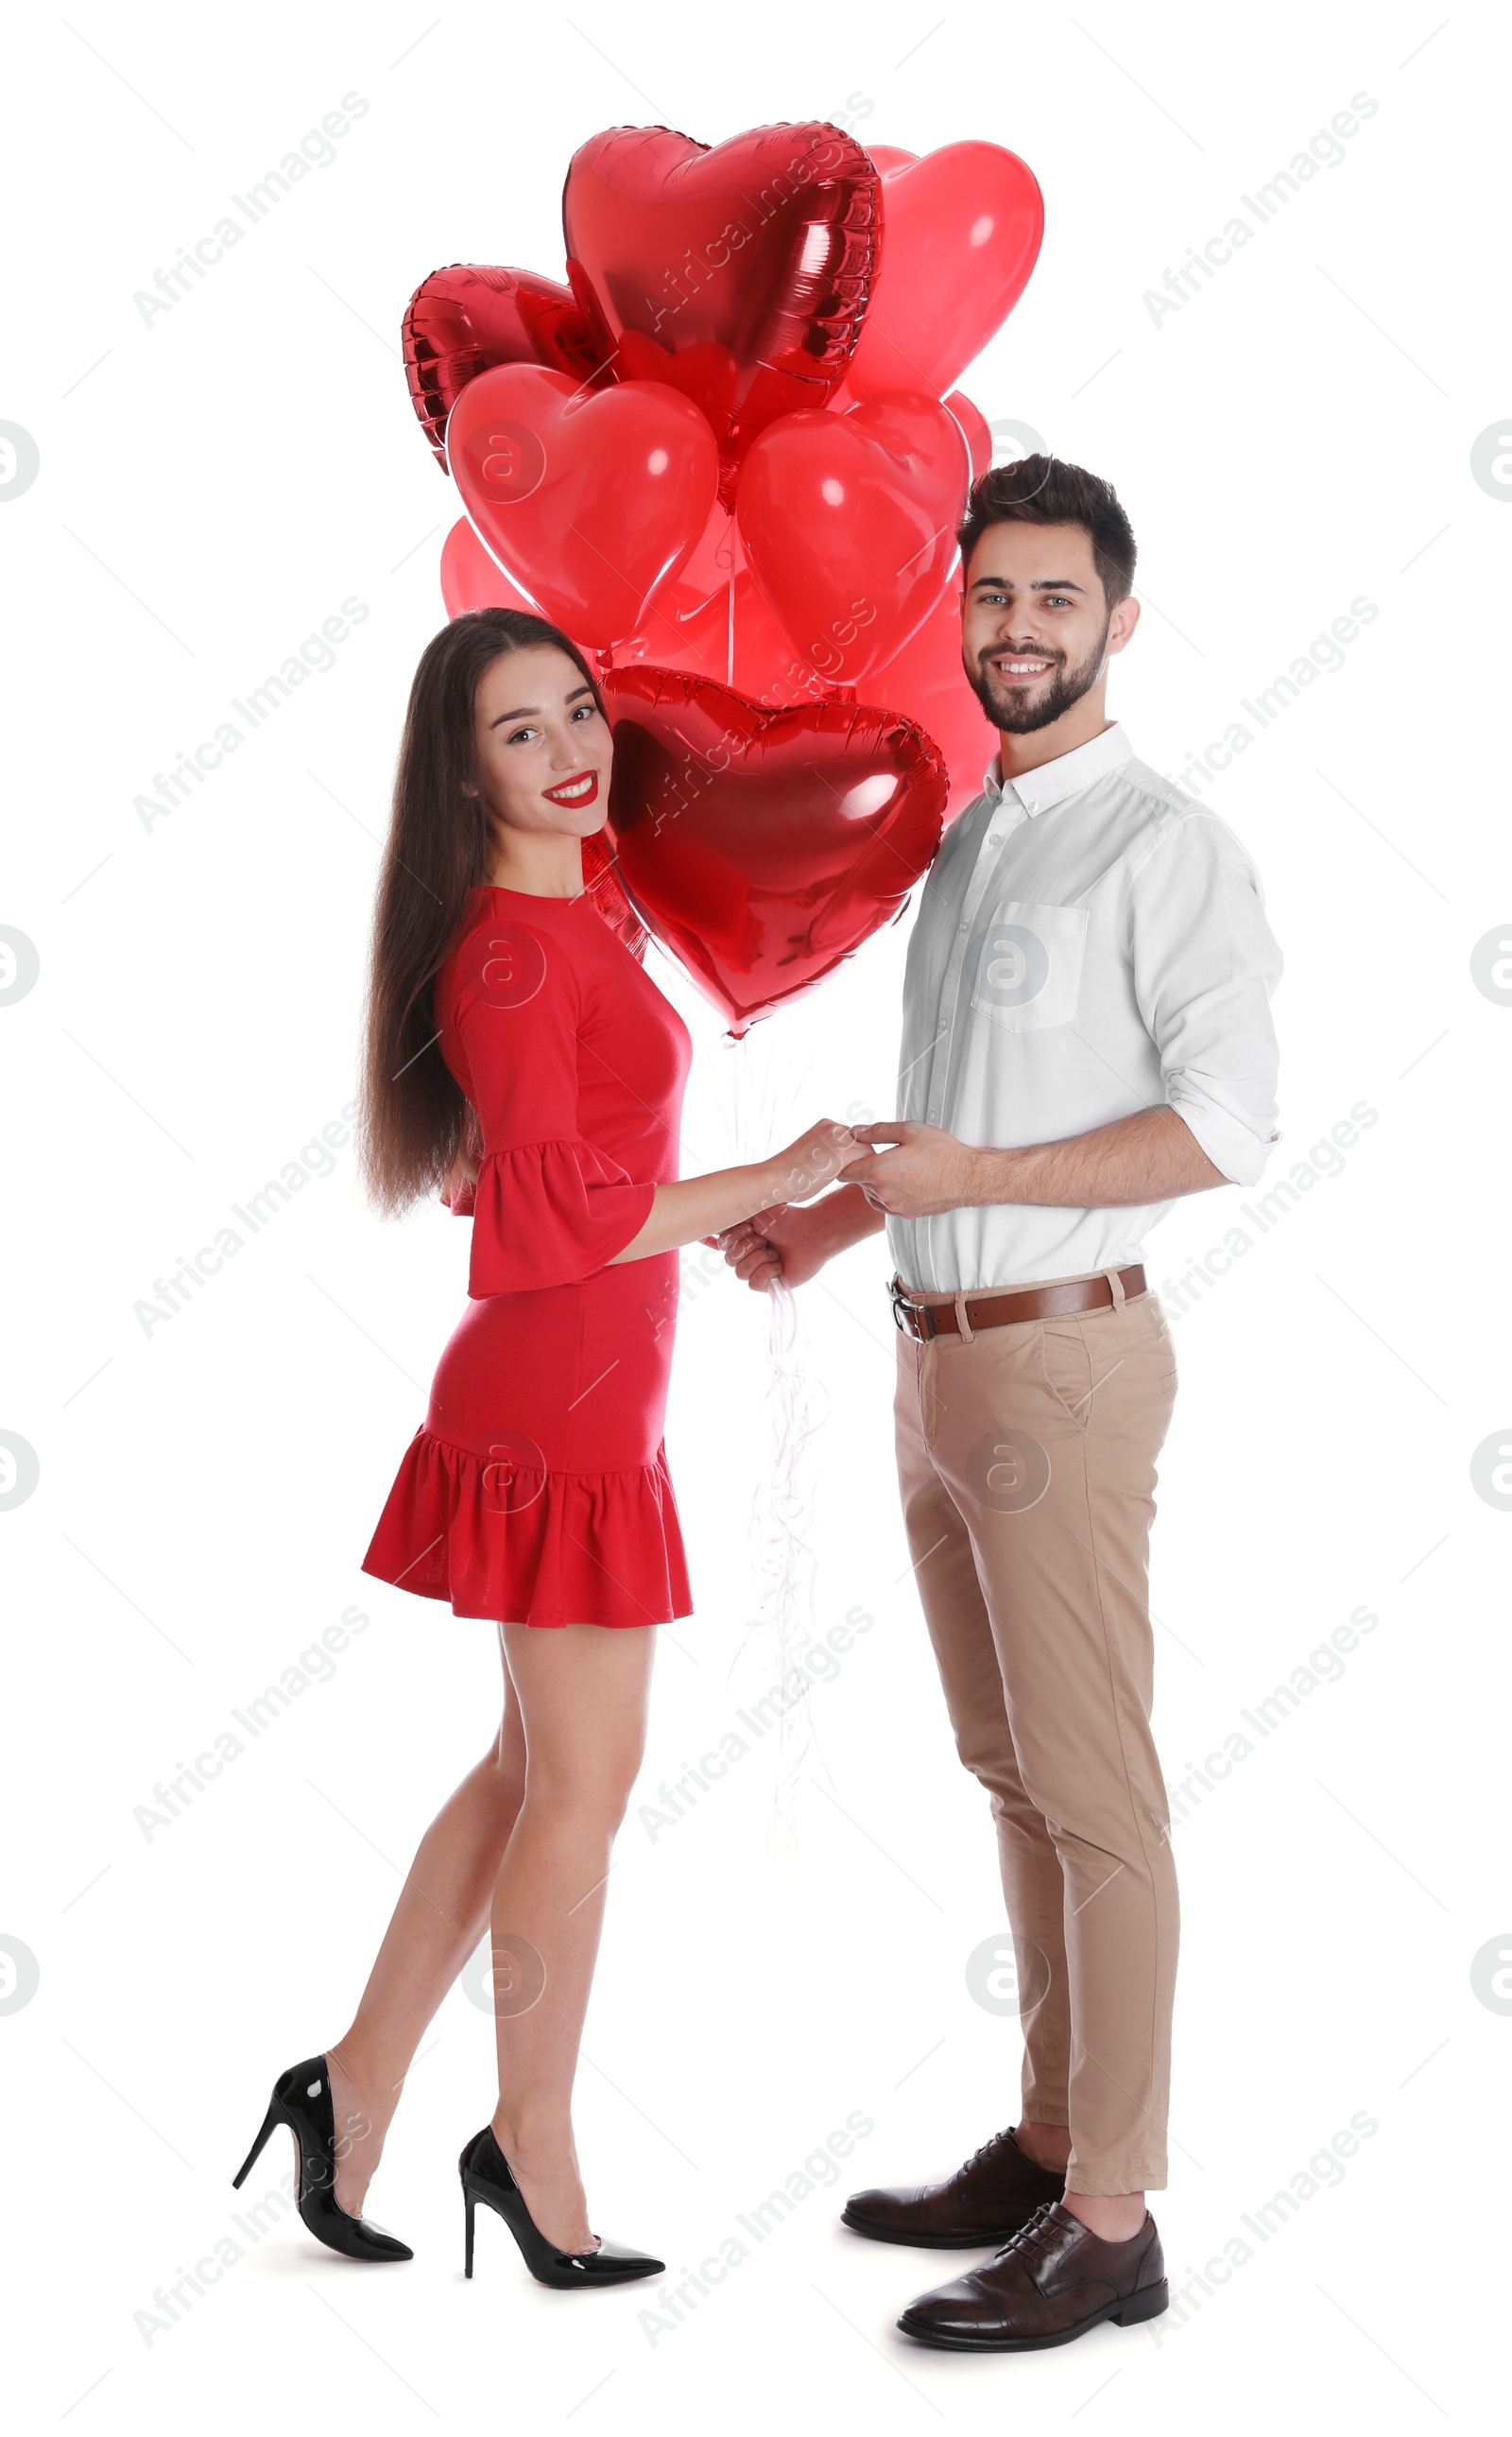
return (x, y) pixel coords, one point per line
(1089, 943)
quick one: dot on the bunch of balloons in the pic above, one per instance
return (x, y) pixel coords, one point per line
(728, 459)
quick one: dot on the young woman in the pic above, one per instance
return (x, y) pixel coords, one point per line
(508, 1014)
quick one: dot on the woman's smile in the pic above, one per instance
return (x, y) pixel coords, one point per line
(582, 789)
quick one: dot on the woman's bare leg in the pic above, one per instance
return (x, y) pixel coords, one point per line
(442, 1914)
(582, 1692)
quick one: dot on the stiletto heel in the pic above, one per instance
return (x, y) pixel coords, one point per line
(486, 2175)
(257, 2148)
(302, 2099)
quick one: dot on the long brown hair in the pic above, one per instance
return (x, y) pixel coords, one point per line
(413, 1117)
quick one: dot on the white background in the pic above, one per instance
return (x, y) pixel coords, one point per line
(211, 487)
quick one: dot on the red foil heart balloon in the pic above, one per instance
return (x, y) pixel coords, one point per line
(849, 523)
(602, 881)
(588, 499)
(761, 847)
(462, 321)
(749, 266)
(961, 230)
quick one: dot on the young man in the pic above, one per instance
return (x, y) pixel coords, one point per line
(1086, 1035)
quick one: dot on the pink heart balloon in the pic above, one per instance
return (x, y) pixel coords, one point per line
(961, 232)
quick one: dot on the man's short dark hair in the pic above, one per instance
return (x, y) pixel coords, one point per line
(1047, 491)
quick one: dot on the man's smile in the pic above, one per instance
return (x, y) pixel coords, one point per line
(1021, 665)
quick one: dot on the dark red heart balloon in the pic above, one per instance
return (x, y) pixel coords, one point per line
(462, 321)
(750, 265)
(849, 523)
(761, 847)
(589, 500)
(602, 881)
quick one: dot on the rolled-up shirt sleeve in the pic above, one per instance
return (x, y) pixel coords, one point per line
(1205, 963)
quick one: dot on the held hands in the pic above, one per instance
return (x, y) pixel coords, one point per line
(810, 1163)
(780, 1241)
(924, 1170)
(928, 1172)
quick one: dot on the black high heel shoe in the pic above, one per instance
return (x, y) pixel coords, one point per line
(485, 2173)
(302, 2099)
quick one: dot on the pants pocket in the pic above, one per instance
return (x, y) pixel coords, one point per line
(1160, 1331)
(1065, 1367)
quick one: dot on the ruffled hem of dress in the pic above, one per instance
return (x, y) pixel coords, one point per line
(519, 1546)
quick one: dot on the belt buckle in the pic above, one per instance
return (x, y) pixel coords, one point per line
(911, 1320)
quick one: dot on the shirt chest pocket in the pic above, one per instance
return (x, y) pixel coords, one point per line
(1028, 969)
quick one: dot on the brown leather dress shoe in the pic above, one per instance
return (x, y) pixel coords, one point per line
(1055, 2279)
(997, 2190)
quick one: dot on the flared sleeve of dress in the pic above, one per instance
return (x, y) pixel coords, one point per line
(548, 1207)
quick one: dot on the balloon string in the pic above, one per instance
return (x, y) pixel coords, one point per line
(729, 663)
(782, 1520)
(782, 1558)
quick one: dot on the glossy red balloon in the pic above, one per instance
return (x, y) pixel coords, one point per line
(762, 848)
(462, 321)
(600, 878)
(849, 523)
(975, 426)
(740, 643)
(961, 231)
(928, 683)
(470, 579)
(588, 499)
(739, 275)
(716, 555)
(733, 638)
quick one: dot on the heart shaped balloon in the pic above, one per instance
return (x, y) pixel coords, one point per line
(928, 683)
(850, 524)
(733, 638)
(749, 266)
(462, 321)
(761, 847)
(977, 431)
(962, 229)
(588, 498)
(604, 886)
(472, 579)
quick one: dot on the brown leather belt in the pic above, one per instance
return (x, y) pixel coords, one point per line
(923, 1320)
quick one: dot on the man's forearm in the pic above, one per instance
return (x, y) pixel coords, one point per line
(1152, 1156)
(847, 1215)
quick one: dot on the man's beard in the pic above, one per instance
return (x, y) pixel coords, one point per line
(1009, 707)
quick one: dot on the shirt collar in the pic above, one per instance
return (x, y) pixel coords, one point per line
(1037, 791)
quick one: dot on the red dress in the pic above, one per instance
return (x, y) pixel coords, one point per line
(537, 1492)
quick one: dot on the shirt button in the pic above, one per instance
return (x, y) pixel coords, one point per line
(934, 1118)
(943, 1024)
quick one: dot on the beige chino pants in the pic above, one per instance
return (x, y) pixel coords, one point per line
(1027, 1466)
